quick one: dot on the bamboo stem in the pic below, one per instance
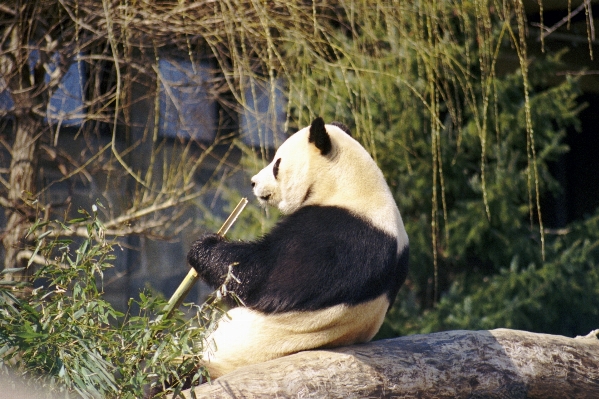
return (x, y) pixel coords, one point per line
(192, 277)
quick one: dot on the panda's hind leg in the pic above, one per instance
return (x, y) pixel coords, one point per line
(240, 339)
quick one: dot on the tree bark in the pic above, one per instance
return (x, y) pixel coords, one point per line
(24, 82)
(23, 168)
(455, 364)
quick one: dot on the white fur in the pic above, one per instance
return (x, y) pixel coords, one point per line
(273, 336)
(349, 178)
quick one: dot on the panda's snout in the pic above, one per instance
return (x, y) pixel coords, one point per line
(262, 189)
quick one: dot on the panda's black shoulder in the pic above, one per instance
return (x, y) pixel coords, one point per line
(316, 218)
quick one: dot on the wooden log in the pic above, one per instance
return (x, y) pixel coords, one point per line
(454, 364)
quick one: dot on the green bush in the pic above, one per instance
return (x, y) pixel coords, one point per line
(559, 296)
(66, 338)
(492, 271)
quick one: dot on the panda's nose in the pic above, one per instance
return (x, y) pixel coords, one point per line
(265, 197)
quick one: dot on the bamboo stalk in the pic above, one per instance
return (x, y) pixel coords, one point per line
(192, 277)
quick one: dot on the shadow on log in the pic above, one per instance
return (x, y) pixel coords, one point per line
(455, 364)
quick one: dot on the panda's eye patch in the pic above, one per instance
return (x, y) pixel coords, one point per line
(275, 168)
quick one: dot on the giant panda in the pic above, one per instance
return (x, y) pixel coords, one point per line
(327, 273)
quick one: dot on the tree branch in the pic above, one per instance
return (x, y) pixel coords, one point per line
(115, 227)
(454, 364)
(545, 31)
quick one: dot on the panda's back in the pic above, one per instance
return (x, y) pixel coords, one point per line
(321, 256)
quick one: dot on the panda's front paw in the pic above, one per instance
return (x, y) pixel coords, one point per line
(209, 240)
(200, 252)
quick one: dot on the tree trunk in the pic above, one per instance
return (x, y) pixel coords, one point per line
(455, 364)
(24, 81)
(23, 168)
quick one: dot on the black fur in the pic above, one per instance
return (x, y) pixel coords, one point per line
(319, 136)
(314, 258)
(342, 126)
(275, 168)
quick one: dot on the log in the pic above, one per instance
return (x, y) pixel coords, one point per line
(454, 364)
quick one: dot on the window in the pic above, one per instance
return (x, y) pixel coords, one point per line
(6, 102)
(67, 105)
(262, 120)
(186, 111)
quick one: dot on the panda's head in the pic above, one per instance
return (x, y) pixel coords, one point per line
(288, 182)
(323, 165)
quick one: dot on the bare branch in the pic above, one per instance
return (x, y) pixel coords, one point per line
(26, 255)
(7, 10)
(5, 203)
(547, 31)
(114, 227)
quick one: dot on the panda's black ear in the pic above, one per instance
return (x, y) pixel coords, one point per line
(319, 136)
(342, 127)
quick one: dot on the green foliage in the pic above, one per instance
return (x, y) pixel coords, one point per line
(560, 296)
(67, 338)
(489, 221)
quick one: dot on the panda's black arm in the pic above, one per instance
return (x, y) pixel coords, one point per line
(212, 256)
